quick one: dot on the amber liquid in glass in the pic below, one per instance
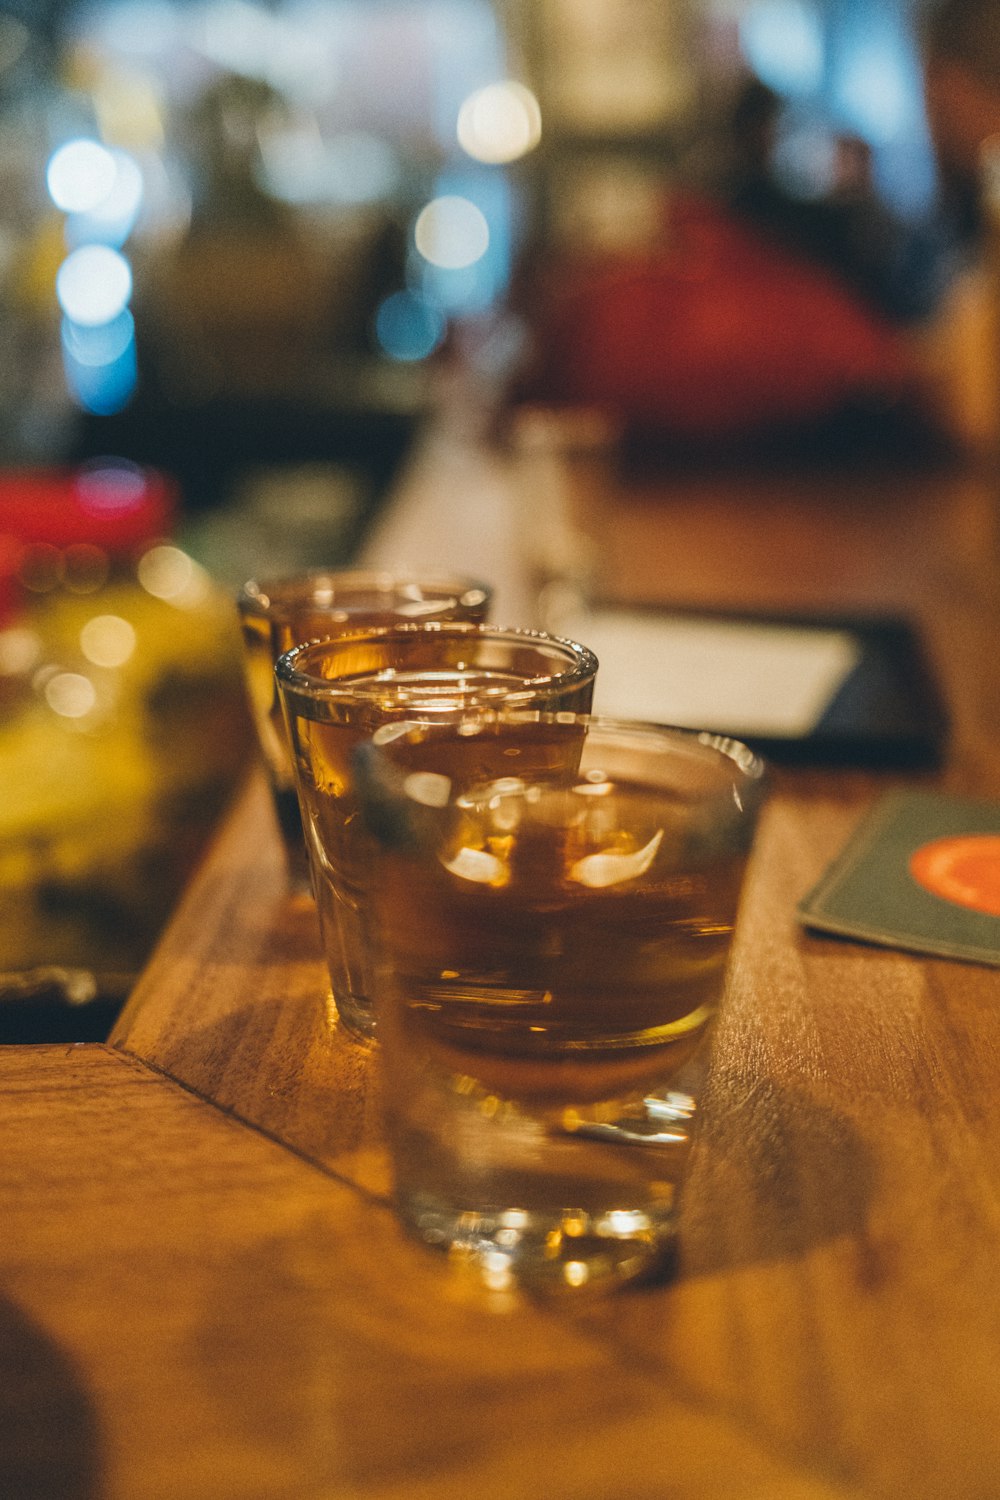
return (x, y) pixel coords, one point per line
(546, 989)
(552, 951)
(343, 851)
(265, 638)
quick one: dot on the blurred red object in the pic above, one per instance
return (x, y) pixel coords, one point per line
(10, 558)
(111, 504)
(721, 335)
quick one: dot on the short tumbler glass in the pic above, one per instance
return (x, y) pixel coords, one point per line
(336, 694)
(552, 943)
(277, 614)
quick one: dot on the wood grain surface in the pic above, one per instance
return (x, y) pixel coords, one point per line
(206, 1295)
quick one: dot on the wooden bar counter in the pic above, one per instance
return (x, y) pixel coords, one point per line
(205, 1295)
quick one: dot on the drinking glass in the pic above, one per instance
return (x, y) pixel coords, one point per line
(338, 693)
(280, 613)
(552, 943)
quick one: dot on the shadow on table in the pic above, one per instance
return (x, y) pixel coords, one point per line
(774, 1175)
(49, 1442)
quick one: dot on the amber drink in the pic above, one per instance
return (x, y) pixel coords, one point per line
(553, 950)
(277, 614)
(338, 694)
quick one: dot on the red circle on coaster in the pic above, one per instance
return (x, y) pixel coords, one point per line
(963, 868)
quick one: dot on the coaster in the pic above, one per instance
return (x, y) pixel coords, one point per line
(922, 873)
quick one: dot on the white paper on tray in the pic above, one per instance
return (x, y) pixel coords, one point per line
(738, 676)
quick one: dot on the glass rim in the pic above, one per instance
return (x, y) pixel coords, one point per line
(749, 762)
(398, 793)
(261, 596)
(581, 665)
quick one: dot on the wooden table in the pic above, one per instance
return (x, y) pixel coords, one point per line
(205, 1294)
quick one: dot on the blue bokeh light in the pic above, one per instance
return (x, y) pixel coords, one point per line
(783, 42)
(100, 363)
(408, 327)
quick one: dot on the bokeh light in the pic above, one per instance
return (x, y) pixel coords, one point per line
(20, 650)
(451, 232)
(93, 285)
(874, 93)
(107, 640)
(500, 123)
(300, 166)
(101, 364)
(408, 327)
(80, 175)
(112, 218)
(170, 574)
(110, 485)
(783, 43)
(98, 343)
(70, 694)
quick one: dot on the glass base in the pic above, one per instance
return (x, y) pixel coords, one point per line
(356, 1016)
(545, 1202)
(550, 1252)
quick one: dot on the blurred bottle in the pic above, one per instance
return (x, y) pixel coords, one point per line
(565, 470)
(124, 728)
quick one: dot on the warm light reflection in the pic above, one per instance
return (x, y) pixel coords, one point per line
(128, 108)
(429, 788)
(479, 866)
(500, 123)
(70, 695)
(451, 232)
(613, 867)
(168, 573)
(107, 640)
(496, 1270)
(625, 1223)
(20, 650)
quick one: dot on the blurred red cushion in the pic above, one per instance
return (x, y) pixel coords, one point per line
(722, 334)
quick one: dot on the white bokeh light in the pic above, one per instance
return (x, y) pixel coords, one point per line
(80, 175)
(107, 640)
(70, 694)
(451, 232)
(100, 343)
(784, 44)
(500, 123)
(170, 574)
(20, 650)
(111, 220)
(93, 285)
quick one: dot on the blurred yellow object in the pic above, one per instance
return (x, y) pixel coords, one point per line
(34, 271)
(113, 774)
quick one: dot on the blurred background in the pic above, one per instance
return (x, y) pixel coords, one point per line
(249, 251)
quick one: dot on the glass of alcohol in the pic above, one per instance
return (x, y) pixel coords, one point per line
(337, 693)
(280, 613)
(552, 947)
